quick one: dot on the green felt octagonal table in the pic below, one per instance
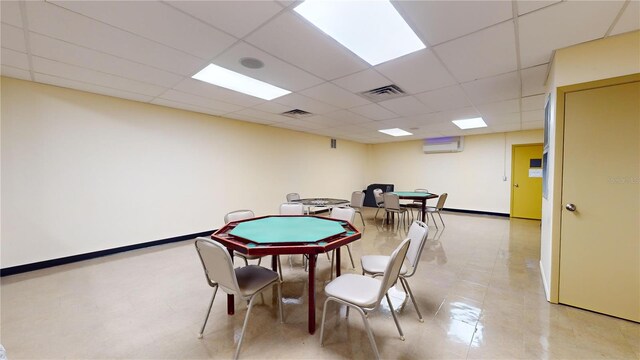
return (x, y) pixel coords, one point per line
(280, 235)
(414, 195)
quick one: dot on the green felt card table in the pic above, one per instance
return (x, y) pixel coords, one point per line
(420, 196)
(281, 235)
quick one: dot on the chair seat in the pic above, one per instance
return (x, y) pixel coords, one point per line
(253, 278)
(359, 290)
(412, 205)
(375, 264)
(248, 257)
(431, 208)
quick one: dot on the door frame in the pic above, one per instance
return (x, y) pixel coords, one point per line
(513, 171)
(557, 181)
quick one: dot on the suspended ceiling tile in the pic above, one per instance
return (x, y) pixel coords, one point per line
(237, 18)
(528, 6)
(440, 21)
(71, 54)
(149, 19)
(14, 59)
(534, 115)
(406, 106)
(334, 95)
(88, 87)
(532, 125)
(297, 101)
(374, 112)
(496, 88)
(275, 71)
(218, 106)
(458, 114)
(362, 81)
(485, 53)
(12, 38)
(10, 13)
(630, 19)
(347, 117)
(533, 80)
(62, 70)
(447, 98)
(500, 107)
(535, 102)
(503, 128)
(14, 72)
(562, 25)
(201, 88)
(500, 119)
(56, 22)
(294, 40)
(272, 107)
(417, 72)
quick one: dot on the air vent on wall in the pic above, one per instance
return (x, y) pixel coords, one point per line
(296, 113)
(384, 93)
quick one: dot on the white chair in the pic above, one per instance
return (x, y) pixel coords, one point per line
(357, 202)
(415, 204)
(290, 208)
(436, 209)
(392, 206)
(365, 293)
(375, 264)
(243, 215)
(293, 196)
(377, 195)
(244, 282)
(344, 214)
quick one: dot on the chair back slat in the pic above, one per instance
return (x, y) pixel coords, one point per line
(441, 200)
(392, 271)
(418, 234)
(291, 209)
(343, 213)
(217, 264)
(238, 215)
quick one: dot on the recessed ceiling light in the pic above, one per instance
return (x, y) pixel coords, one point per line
(395, 132)
(373, 30)
(470, 123)
(232, 80)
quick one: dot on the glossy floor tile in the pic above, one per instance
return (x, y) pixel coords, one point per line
(478, 287)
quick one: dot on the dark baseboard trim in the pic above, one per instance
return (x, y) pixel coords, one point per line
(476, 212)
(96, 254)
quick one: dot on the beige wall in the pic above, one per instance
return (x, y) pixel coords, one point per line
(473, 178)
(84, 172)
(591, 61)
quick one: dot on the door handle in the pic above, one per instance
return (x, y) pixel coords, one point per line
(516, 185)
(570, 207)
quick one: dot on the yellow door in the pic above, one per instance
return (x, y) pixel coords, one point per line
(600, 228)
(526, 185)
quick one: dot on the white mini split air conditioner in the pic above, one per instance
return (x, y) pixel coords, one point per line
(443, 144)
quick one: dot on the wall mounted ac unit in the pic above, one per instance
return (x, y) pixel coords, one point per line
(443, 144)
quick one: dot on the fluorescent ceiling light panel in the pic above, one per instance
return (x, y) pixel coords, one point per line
(216, 75)
(373, 30)
(395, 132)
(470, 123)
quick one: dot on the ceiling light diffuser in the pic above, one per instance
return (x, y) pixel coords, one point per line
(395, 132)
(470, 123)
(373, 30)
(216, 75)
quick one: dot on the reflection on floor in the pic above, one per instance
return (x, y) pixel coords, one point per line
(478, 287)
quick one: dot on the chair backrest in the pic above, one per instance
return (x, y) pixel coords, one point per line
(217, 265)
(418, 233)
(391, 201)
(420, 191)
(441, 200)
(293, 196)
(392, 271)
(291, 209)
(357, 199)
(377, 194)
(238, 215)
(343, 213)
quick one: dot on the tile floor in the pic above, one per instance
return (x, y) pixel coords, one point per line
(478, 286)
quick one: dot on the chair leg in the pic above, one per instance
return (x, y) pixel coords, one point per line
(215, 290)
(405, 285)
(280, 269)
(376, 215)
(434, 220)
(324, 314)
(362, 218)
(280, 302)
(244, 326)
(246, 263)
(372, 340)
(353, 266)
(441, 219)
(395, 318)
